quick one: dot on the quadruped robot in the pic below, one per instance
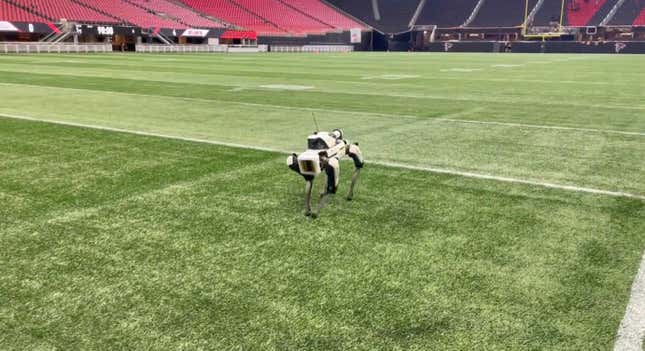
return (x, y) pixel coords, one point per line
(324, 152)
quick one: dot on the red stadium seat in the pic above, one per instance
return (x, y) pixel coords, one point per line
(234, 13)
(132, 14)
(298, 17)
(12, 13)
(66, 9)
(184, 15)
(640, 20)
(580, 12)
(324, 13)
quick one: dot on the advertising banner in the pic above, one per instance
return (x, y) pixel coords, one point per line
(7, 27)
(355, 36)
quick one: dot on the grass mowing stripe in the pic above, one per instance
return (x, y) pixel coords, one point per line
(445, 118)
(419, 262)
(382, 163)
(632, 328)
(351, 90)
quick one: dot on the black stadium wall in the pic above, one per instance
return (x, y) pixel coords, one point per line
(547, 47)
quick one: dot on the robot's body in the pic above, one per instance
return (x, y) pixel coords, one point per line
(324, 152)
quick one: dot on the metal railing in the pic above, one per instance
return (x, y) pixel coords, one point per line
(39, 47)
(161, 48)
(312, 48)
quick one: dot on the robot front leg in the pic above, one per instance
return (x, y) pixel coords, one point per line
(332, 172)
(354, 152)
(350, 194)
(309, 185)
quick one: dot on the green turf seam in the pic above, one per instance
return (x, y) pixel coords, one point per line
(573, 188)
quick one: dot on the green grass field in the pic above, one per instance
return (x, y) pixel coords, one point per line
(112, 240)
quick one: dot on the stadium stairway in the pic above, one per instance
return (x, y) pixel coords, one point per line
(236, 14)
(323, 13)
(550, 11)
(603, 12)
(184, 15)
(628, 13)
(446, 13)
(501, 13)
(582, 13)
(131, 14)
(640, 20)
(386, 17)
(285, 17)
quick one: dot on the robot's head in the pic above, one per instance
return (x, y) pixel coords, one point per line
(309, 163)
(324, 140)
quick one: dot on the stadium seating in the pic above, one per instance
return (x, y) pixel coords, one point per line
(284, 16)
(55, 10)
(581, 12)
(550, 11)
(446, 13)
(501, 13)
(132, 14)
(628, 13)
(235, 14)
(640, 20)
(324, 13)
(182, 14)
(395, 16)
(12, 13)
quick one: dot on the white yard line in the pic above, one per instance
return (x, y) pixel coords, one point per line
(355, 113)
(538, 126)
(512, 180)
(381, 163)
(632, 328)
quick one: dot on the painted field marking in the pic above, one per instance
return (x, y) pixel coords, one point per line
(429, 169)
(507, 65)
(392, 76)
(466, 70)
(632, 328)
(286, 87)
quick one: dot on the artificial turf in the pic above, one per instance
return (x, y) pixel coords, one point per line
(119, 241)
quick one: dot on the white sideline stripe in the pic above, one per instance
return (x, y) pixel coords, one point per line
(632, 328)
(356, 113)
(538, 126)
(381, 163)
(138, 132)
(512, 180)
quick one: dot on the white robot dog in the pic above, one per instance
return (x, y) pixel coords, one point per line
(324, 151)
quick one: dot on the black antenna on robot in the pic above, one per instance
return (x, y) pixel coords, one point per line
(313, 115)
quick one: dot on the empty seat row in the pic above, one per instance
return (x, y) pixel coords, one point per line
(501, 13)
(284, 16)
(183, 14)
(11, 13)
(630, 12)
(132, 14)
(581, 12)
(324, 13)
(446, 13)
(235, 14)
(67, 9)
